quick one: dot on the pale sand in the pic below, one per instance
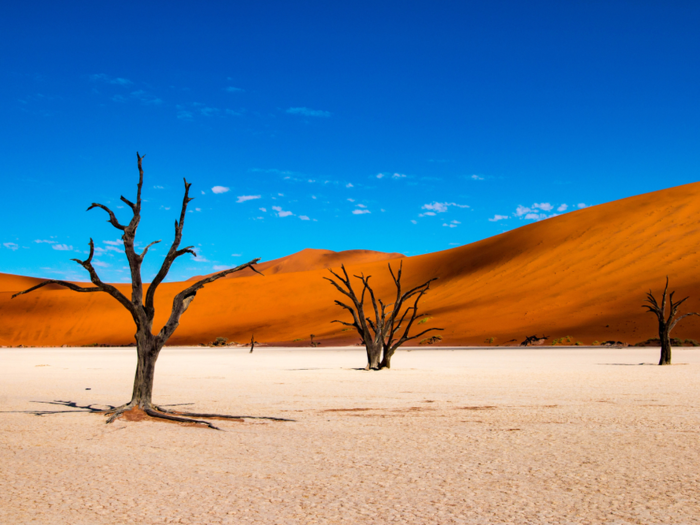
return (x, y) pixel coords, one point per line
(465, 436)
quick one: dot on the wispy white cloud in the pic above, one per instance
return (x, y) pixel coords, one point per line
(231, 89)
(10, 246)
(308, 112)
(391, 176)
(582, 205)
(158, 188)
(414, 221)
(499, 218)
(536, 216)
(360, 205)
(281, 212)
(304, 218)
(534, 212)
(349, 185)
(220, 189)
(146, 98)
(112, 246)
(183, 114)
(38, 241)
(441, 207)
(220, 267)
(477, 177)
(522, 210)
(351, 200)
(360, 212)
(243, 198)
(100, 264)
(273, 170)
(119, 81)
(62, 247)
(263, 209)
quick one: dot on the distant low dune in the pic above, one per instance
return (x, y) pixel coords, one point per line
(312, 259)
(583, 274)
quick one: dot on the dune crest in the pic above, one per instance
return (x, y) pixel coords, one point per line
(311, 259)
(584, 274)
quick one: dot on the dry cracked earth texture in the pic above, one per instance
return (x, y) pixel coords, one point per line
(446, 437)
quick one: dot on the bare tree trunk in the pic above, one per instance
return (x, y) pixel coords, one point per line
(374, 356)
(666, 324)
(665, 338)
(386, 361)
(147, 354)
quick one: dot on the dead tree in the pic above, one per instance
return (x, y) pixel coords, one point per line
(666, 324)
(252, 343)
(142, 309)
(383, 335)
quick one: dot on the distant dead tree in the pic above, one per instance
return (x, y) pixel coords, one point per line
(148, 345)
(252, 343)
(666, 324)
(534, 340)
(383, 335)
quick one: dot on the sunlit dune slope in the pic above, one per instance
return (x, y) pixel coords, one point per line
(312, 259)
(583, 274)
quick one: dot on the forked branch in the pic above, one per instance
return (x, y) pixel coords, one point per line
(381, 333)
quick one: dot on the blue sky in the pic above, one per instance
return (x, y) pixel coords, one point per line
(405, 127)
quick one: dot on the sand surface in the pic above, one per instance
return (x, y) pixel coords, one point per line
(463, 436)
(583, 274)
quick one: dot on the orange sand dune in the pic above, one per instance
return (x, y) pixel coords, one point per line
(583, 274)
(311, 259)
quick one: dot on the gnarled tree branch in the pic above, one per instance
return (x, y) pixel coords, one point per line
(379, 334)
(665, 324)
(148, 345)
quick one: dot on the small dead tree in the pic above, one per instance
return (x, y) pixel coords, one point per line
(391, 327)
(666, 324)
(252, 342)
(142, 309)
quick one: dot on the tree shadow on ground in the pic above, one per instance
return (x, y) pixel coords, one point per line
(627, 364)
(636, 364)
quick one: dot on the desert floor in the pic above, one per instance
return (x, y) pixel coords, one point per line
(447, 436)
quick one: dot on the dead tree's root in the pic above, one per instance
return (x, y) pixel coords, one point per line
(160, 415)
(157, 412)
(116, 412)
(217, 416)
